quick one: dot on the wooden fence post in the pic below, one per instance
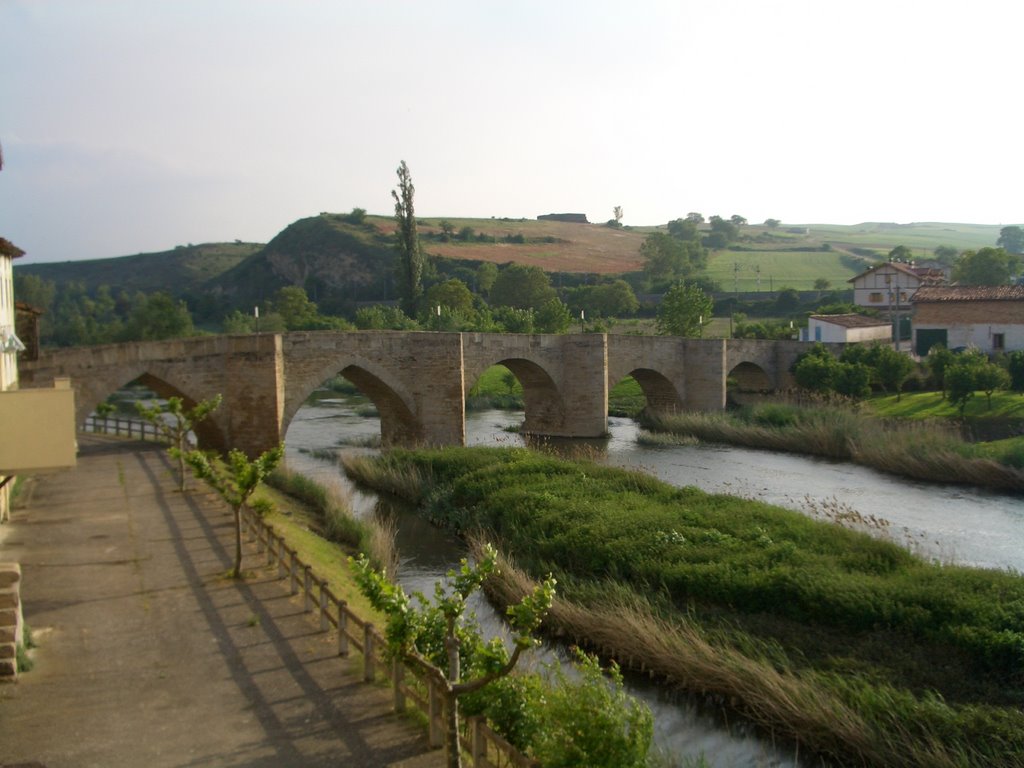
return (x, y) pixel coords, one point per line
(325, 623)
(307, 588)
(368, 660)
(342, 628)
(477, 742)
(435, 731)
(397, 676)
(282, 554)
(293, 567)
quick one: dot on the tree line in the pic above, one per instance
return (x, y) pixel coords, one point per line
(860, 369)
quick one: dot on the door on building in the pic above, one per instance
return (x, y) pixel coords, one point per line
(928, 338)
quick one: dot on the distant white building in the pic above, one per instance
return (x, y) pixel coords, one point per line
(891, 286)
(846, 329)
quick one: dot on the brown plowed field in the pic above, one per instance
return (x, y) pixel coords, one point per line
(591, 248)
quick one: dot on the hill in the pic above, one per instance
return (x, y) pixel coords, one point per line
(339, 260)
(335, 260)
(181, 270)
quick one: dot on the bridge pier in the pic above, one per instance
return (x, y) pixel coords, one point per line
(564, 378)
(252, 411)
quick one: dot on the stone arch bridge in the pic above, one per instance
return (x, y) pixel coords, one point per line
(417, 380)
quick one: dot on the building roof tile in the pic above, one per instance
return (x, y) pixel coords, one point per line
(969, 293)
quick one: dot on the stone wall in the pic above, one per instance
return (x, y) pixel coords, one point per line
(11, 624)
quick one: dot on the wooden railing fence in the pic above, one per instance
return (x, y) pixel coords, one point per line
(123, 427)
(410, 681)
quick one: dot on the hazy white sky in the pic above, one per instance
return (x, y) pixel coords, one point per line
(137, 125)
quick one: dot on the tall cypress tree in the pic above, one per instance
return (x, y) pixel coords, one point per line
(410, 257)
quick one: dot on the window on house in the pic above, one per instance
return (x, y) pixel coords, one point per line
(998, 341)
(875, 298)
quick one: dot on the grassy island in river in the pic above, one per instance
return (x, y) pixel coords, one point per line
(853, 646)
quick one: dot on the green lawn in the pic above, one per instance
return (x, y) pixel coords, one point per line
(931, 405)
(778, 269)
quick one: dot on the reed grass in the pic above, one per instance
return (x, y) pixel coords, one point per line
(404, 481)
(803, 708)
(928, 451)
(331, 503)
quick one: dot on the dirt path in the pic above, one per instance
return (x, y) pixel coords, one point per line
(148, 656)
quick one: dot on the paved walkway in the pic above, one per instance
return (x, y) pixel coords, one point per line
(149, 657)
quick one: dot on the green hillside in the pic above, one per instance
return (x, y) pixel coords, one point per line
(184, 269)
(768, 270)
(336, 261)
(921, 237)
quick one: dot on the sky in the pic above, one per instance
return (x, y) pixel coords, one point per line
(132, 126)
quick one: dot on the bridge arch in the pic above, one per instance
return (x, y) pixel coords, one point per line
(659, 391)
(747, 382)
(96, 390)
(750, 377)
(542, 399)
(398, 422)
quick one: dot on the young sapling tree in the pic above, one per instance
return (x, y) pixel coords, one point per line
(182, 422)
(235, 481)
(435, 635)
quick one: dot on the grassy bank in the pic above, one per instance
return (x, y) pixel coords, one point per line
(925, 450)
(932, 405)
(850, 645)
(302, 510)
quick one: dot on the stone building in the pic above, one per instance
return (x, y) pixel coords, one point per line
(990, 318)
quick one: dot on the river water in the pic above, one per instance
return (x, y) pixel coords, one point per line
(952, 524)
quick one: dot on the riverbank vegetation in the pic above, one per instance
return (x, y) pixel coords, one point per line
(539, 710)
(851, 646)
(930, 450)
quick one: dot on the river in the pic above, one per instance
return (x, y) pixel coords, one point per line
(953, 524)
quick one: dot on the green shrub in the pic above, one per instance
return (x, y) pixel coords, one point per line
(589, 720)
(262, 507)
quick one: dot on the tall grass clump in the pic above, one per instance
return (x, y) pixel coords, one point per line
(852, 645)
(386, 475)
(928, 450)
(331, 504)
